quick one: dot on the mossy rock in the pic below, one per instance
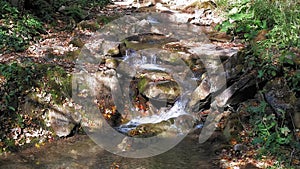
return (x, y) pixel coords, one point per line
(163, 91)
(142, 84)
(77, 42)
(90, 25)
(104, 19)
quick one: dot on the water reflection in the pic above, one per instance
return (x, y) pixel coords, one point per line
(81, 152)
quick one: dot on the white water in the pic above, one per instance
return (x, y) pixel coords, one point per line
(142, 62)
(153, 59)
(176, 111)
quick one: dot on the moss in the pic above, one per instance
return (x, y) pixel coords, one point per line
(73, 55)
(142, 84)
(77, 42)
(89, 25)
(59, 84)
(114, 51)
(104, 19)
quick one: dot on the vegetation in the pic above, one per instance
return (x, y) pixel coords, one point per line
(270, 28)
(272, 31)
(22, 24)
(21, 81)
(16, 29)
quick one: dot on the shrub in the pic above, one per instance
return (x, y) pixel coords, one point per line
(16, 30)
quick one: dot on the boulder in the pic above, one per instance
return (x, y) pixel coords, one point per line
(163, 91)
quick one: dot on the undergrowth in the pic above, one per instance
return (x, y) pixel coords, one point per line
(23, 83)
(271, 29)
(22, 24)
(16, 29)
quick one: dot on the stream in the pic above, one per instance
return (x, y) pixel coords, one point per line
(81, 152)
(153, 77)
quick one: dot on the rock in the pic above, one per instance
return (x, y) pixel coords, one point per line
(163, 91)
(281, 98)
(211, 51)
(245, 82)
(77, 42)
(233, 126)
(278, 95)
(220, 37)
(147, 40)
(63, 120)
(111, 63)
(240, 147)
(88, 24)
(101, 48)
(157, 76)
(200, 93)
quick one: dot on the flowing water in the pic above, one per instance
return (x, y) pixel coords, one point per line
(81, 152)
(143, 60)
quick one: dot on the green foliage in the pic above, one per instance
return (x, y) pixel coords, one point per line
(270, 52)
(270, 131)
(16, 30)
(271, 28)
(247, 17)
(58, 84)
(75, 12)
(22, 81)
(19, 79)
(242, 20)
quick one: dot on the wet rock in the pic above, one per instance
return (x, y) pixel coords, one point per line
(147, 40)
(157, 76)
(148, 130)
(162, 91)
(211, 51)
(111, 63)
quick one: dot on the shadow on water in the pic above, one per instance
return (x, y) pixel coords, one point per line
(81, 152)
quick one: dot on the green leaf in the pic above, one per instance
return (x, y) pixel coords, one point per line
(257, 140)
(260, 73)
(11, 108)
(285, 131)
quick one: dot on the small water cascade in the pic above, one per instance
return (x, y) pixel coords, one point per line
(153, 59)
(142, 62)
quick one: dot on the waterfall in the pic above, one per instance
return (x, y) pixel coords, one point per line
(153, 59)
(140, 62)
(144, 59)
